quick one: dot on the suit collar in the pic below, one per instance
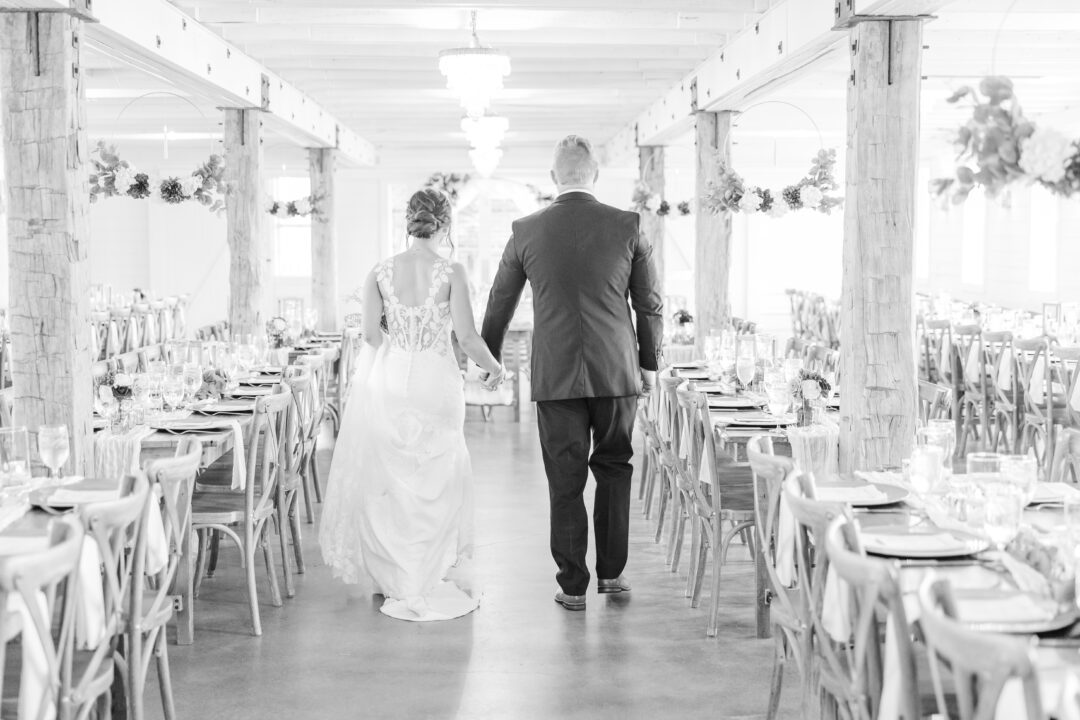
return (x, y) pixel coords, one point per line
(575, 196)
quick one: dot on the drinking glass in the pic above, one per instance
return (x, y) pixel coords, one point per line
(779, 398)
(939, 437)
(14, 457)
(1004, 510)
(792, 366)
(948, 428)
(745, 360)
(984, 462)
(1023, 472)
(193, 379)
(925, 470)
(53, 447)
(172, 392)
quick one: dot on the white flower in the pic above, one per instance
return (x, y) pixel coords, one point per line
(122, 380)
(190, 184)
(811, 196)
(811, 390)
(104, 393)
(652, 203)
(124, 178)
(779, 208)
(303, 207)
(1044, 153)
(750, 202)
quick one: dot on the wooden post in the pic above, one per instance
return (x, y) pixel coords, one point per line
(877, 339)
(45, 149)
(243, 214)
(324, 269)
(712, 266)
(651, 173)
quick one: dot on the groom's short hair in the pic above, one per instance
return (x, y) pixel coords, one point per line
(574, 162)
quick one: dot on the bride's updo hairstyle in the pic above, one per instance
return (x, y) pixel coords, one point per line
(428, 213)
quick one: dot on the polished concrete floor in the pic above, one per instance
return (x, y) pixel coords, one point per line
(329, 653)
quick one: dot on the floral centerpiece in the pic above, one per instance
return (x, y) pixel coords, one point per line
(683, 333)
(809, 389)
(215, 382)
(277, 332)
(999, 146)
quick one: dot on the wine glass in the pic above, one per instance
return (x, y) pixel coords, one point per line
(925, 469)
(984, 463)
(938, 436)
(792, 366)
(172, 392)
(14, 457)
(53, 447)
(1003, 512)
(947, 428)
(778, 392)
(1023, 472)
(193, 379)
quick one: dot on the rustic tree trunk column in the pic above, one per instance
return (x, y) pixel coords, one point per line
(324, 286)
(45, 148)
(243, 214)
(651, 173)
(878, 381)
(712, 265)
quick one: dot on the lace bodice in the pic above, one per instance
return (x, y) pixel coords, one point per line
(416, 328)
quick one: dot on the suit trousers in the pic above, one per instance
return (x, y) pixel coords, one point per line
(567, 429)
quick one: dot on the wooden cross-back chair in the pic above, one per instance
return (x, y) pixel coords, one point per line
(937, 338)
(111, 526)
(243, 517)
(1065, 466)
(851, 670)
(1004, 408)
(712, 497)
(1045, 405)
(786, 613)
(44, 584)
(152, 603)
(970, 382)
(933, 401)
(1067, 373)
(670, 503)
(980, 662)
(652, 460)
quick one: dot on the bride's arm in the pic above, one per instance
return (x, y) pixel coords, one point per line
(464, 323)
(371, 316)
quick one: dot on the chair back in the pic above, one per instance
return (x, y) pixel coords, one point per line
(697, 475)
(128, 362)
(1000, 366)
(149, 354)
(937, 337)
(113, 525)
(933, 401)
(1035, 371)
(968, 358)
(175, 477)
(7, 407)
(1067, 376)
(267, 430)
(980, 662)
(301, 426)
(670, 429)
(44, 583)
(1065, 466)
(769, 472)
(852, 669)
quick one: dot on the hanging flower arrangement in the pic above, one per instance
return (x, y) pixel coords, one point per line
(998, 146)
(310, 205)
(449, 183)
(731, 193)
(644, 200)
(113, 176)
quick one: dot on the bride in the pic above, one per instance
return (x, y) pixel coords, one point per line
(399, 505)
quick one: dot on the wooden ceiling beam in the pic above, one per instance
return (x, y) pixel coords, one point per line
(156, 36)
(783, 45)
(735, 6)
(257, 36)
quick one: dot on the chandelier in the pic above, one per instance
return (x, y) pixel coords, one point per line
(474, 73)
(485, 160)
(486, 131)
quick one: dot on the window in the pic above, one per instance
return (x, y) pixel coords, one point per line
(292, 235)
(973, 240)
(1043, 242)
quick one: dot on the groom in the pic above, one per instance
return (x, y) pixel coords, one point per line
(589, 364)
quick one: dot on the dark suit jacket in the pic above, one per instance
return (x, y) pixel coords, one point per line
(584, 259)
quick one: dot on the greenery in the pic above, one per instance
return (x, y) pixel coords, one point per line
(731, 193)
(112, 176)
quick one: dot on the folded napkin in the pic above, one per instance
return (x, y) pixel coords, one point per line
(1015, 607)
(715, 387)
(239, 473)
(1046, 492)
(850, 494)
(35, 695)
(886, 477)
(900, 543)
(75, 496)
(118, 454)
(21, 544)
(157, 545)
(90, 608)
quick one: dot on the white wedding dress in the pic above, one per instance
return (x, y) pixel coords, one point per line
(399, 506)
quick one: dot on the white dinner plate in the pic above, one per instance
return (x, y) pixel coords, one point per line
(755, 419)
(694, 374)
(893, 494)
(693, 365)
(228, 407)
(1059, 616)
(889, 541)
(724, 402)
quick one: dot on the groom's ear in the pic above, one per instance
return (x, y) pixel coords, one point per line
(596, 176)
(553, 178)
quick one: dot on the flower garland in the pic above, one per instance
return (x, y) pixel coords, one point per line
(310, 205)
(1005, 147)
(449, 183)
(113, 176)
(645, 200)
(731, 194)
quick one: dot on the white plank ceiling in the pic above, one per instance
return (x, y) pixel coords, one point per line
(586, 66)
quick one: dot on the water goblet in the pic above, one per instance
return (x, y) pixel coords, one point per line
(172, 392)
(14, 457)
(53, 447)
(193, 379)
(1003, 512)
(1023, 472)
(925, 471)
(947, 428)
(792, 366)
(983, 462)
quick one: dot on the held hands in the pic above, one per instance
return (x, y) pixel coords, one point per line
(492, 380)
(648, 382)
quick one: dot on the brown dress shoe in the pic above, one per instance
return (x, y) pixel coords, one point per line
(570, 602)
(618, 585)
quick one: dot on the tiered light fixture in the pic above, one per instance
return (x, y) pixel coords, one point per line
(475, 74)
(485, 135)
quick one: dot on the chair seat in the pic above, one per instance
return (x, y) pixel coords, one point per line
(217, 507)
(152, 619)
